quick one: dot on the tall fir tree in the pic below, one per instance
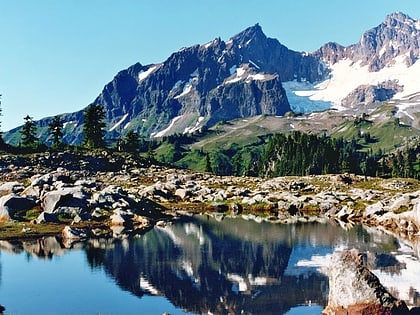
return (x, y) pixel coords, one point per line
(131, 142)
(94, 127)
(28, 132)
(55, 128)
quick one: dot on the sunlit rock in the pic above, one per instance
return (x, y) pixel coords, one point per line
(356, 290)
(13, 203)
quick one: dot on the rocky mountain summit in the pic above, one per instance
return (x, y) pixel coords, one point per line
(397, 36)
(251, 74)
(199, 86)
(386, 55)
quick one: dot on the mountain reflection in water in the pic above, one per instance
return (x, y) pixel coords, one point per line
(228, 266)
(232, 266)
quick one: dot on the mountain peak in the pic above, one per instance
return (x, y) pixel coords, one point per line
(249, 34)
(397, 18)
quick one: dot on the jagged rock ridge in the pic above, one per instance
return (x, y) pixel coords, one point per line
(398, 35)
(204, 84)
(385, 55)
(200, 86)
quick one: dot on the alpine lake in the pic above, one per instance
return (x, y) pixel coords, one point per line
(198, 265)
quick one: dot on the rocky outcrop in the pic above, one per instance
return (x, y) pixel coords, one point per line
(353, 289)
(369, 94)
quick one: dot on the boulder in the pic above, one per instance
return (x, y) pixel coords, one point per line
(12, 203)
(356, 290)
(41, 180)
(70, 197)
(113, 197)
(414, 214)
(119, 218)
(375, 209)
(82, 217)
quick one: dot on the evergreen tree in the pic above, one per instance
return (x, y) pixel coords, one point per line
(131, 142)
(237, 164)
(150, 152)
(28, 132)
(208, 163)
(221, 163)
(55, 128)
(94, 127)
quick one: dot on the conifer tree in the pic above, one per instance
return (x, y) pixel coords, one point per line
(208, 163)
(56, 130)
(131, 142)
(28, 133)
(94, 127)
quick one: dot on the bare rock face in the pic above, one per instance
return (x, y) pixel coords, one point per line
(369, 94)
(356, 290)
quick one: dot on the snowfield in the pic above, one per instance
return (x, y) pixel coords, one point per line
(347, 76)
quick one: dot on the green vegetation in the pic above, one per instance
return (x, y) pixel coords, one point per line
(378, 144)
(94, 127)
(294, 153)
(28, 132)
(56, 130)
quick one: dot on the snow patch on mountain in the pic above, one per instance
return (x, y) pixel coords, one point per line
(187, 89)
(164, 131)
(345, 77)
(144, 74)
(254, 64)
(119, 122)
(242, 73)
(194, 128)
(72, 122)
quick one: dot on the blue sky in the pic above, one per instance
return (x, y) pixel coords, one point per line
(56, 55)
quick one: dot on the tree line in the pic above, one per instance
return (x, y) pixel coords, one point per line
(301, 154)
(296, 153)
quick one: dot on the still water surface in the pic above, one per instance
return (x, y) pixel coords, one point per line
(196, 266)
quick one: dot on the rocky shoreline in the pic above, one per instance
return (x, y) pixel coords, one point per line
(80, 196)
